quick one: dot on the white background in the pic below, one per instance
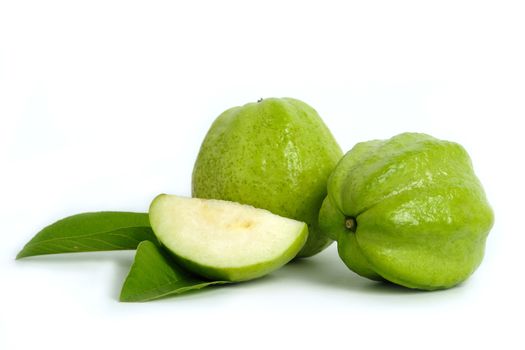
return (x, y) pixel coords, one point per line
(103, 105)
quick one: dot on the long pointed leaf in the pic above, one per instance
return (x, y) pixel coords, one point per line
(88, 232)
(155, 275)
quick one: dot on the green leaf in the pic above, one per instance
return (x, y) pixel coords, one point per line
(154, 275)
(89, 232)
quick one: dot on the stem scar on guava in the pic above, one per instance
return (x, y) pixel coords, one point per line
(350, 224)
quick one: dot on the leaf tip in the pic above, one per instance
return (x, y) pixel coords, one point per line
(123, 299)
(126, 298)
(21, 254)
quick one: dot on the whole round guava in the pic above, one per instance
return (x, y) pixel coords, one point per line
(274, 154)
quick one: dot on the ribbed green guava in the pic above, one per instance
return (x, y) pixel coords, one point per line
(274, 154)
(409, 210)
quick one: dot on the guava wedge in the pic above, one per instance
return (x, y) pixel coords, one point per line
(225, 240)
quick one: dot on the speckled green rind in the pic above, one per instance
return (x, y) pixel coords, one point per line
(332, 222)
(276, 154)
(422, 215)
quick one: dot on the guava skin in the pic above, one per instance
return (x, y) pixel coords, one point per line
(275, 154)
(421, 215)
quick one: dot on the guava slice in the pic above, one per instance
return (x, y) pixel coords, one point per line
(225, 240)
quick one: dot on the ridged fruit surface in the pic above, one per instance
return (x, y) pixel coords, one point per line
(409, 210)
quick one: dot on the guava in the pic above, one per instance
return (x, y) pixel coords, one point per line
(409, 210)
(275, 154)
(223, 240)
